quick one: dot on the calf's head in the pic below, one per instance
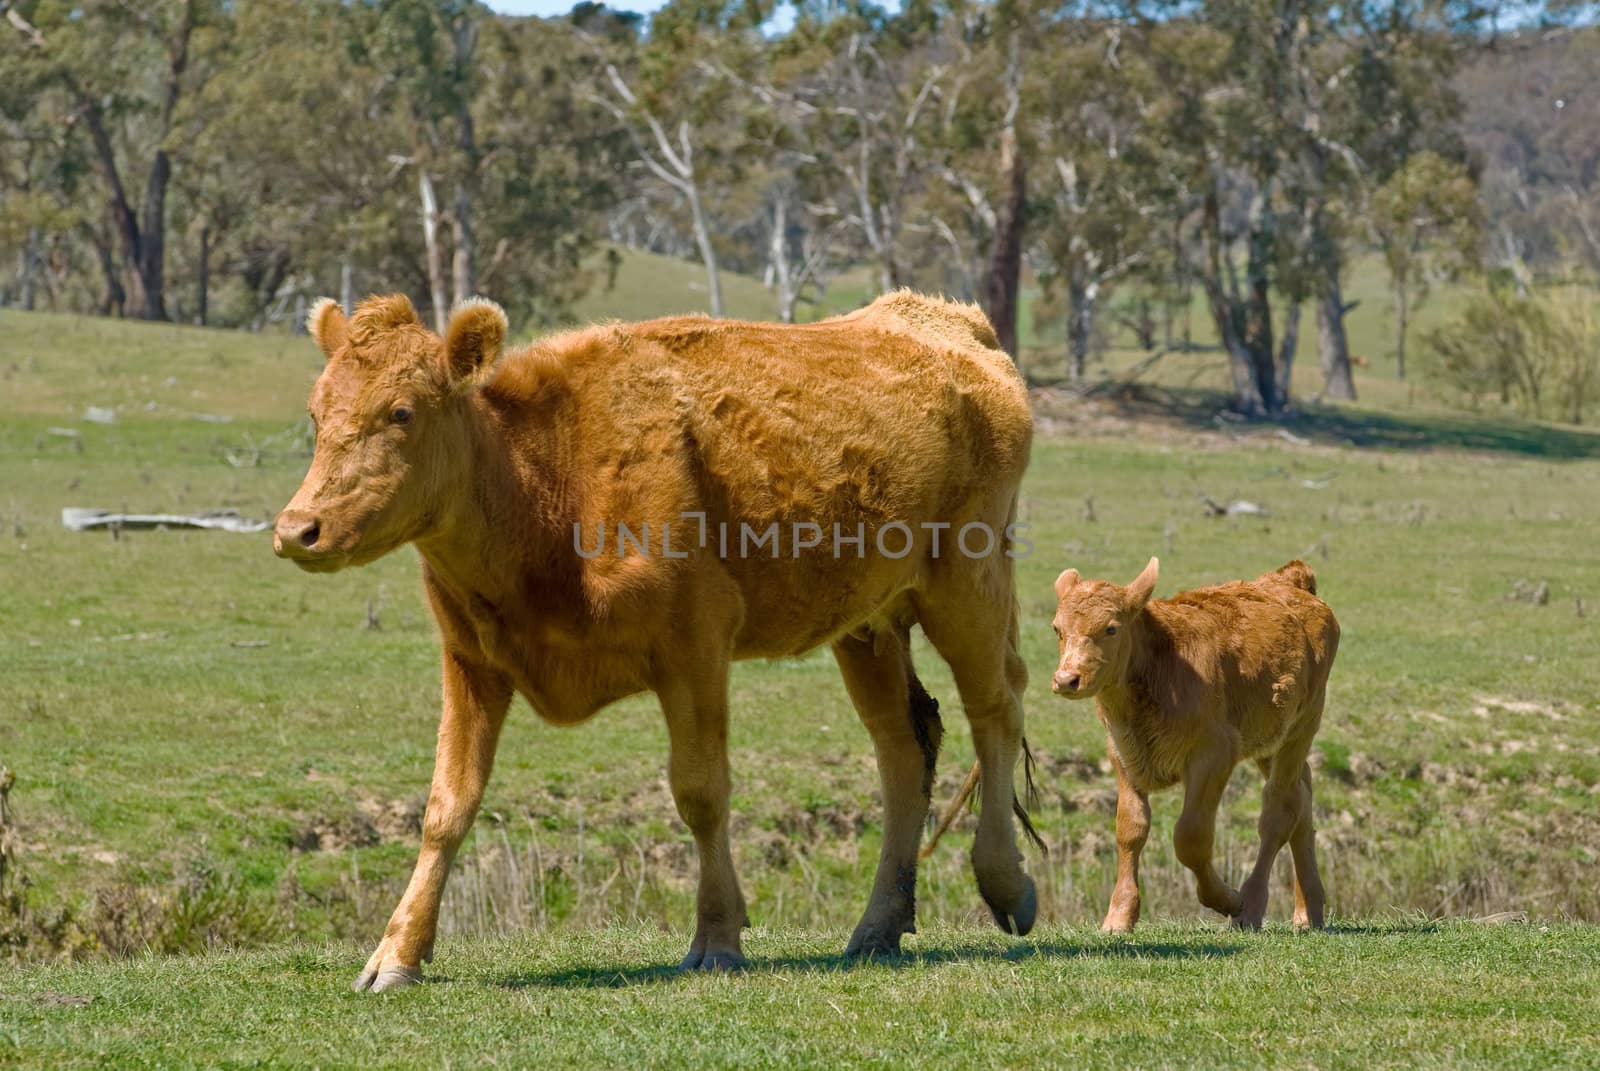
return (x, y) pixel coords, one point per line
(1094, 623)
(390, 416)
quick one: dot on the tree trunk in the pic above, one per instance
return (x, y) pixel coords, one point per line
(115, 299)
(1286, 352)
(463, 266)
(203, 277)
(347, 289)
(1005, 267)
(30, 269)
(1332, 345)
(778, 260)
(430, 238)
(462, 273)
(1081, 297)
(1402, 318)
(1258, 300)
(1241, 323)
(1005, 270)
(151, 260)
(708, 255)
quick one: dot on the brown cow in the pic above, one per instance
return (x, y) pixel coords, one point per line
(583, 508)
(1187, 687)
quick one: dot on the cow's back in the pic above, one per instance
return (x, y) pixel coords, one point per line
(900, 412)
(1269, 643)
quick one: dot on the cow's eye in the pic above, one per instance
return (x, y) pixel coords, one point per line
(400, 415)
(1111, 630)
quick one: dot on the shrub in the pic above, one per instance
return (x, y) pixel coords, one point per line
(1538, 352)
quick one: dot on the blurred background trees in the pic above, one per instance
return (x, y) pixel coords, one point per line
(1127, 165)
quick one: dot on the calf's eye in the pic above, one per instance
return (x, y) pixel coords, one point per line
(401, 415)
(1111, 630)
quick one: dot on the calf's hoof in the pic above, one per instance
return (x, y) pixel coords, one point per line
(714, 962)
(1117, 925)
(1017, 918)
(389, 978)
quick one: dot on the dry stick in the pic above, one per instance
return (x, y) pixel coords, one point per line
(970, 785)
(950, 812)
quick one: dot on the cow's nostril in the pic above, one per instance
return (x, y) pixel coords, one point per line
(1072, 684)
(309, 537)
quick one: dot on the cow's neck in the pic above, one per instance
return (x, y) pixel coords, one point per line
(503, 518)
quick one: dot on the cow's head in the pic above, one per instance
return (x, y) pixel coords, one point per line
(1093, 622)
(389, 413)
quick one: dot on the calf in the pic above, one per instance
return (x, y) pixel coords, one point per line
(1187, 687)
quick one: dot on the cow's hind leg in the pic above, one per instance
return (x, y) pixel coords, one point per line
(971, 620)
(475, 705)
(904, 722)
(695, 702)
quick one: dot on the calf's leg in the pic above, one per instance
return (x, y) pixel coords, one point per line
(1309, 899)
(1133, 828)
(695, 702)
(1192, 838)
(1282, 799)
(475, 704)
(904, 722)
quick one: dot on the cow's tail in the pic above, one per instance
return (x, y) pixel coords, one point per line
(1300, 575)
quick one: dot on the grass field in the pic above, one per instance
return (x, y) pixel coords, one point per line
(1394, 995)
(214, 750)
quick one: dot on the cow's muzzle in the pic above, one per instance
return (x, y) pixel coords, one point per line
(302, 538)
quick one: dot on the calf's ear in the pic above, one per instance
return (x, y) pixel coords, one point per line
(474, 337)
(326, 324)
(1143, 585)
(1066, 582)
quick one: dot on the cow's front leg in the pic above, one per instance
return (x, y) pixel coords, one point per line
(475, 704)
(695, 703)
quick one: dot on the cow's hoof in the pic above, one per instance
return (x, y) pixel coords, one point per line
(869, 941)
(1019, 920)
(389, 978)
(713, 961)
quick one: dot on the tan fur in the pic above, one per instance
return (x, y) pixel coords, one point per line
(1187, 688)
(903, 411)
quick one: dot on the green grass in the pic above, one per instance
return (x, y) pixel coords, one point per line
(1422, 996)
(213, 749)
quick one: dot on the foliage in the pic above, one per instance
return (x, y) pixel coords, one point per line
(1539, 352)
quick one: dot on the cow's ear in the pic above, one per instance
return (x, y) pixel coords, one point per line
(1066, 582)
(473, 340)
(326, 324)
(1143, 585)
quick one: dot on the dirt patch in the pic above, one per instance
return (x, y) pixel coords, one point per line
(375, 821)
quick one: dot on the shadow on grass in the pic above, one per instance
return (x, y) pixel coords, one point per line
(617, 978)
(1365, 428)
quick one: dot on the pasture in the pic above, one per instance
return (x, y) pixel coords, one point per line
(215, 751)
